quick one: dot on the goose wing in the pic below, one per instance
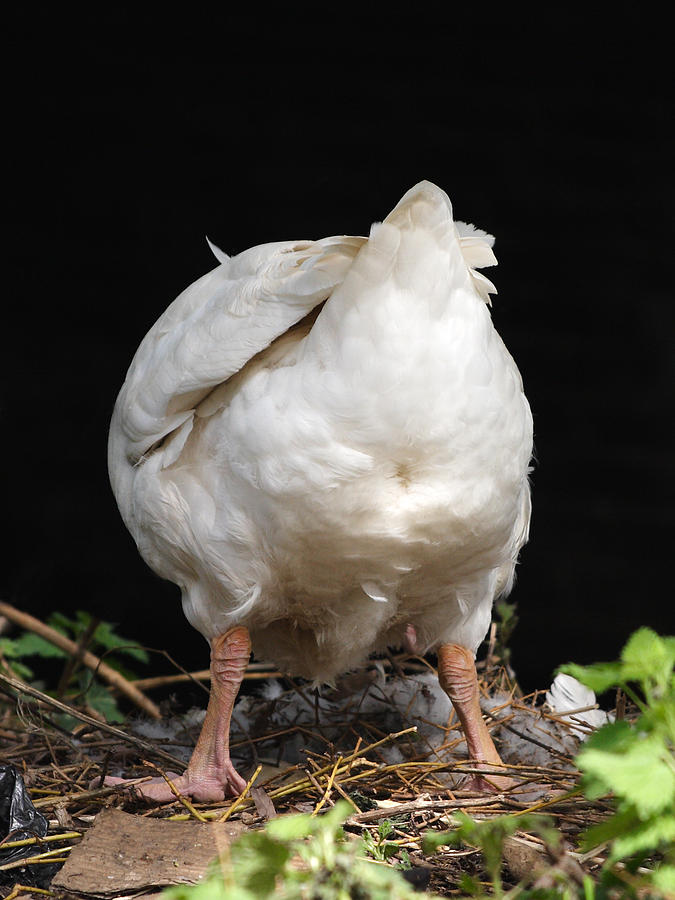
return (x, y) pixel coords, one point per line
(214, 328)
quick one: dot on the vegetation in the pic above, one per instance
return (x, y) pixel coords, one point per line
(309, 857)
(75, 684)
(631, 761)
(299, 857)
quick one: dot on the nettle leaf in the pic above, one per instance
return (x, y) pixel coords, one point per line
(8, 650)
(644, 837)
(628, 836)
(259, 862)
(638, 772)
(290, 828)
(29, 644)
(100, 698)
(62, 623)
(648, 658)
(385, 828)
(599, 677)
(105, 636)
(8, 647)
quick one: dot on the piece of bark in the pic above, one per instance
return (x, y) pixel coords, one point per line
(263, 803)
(122, 853)
(523, 858)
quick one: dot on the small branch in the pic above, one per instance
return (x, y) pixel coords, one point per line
(74, 660)
(374, 815)
(113, 677)
(14, 685)
(157, 681)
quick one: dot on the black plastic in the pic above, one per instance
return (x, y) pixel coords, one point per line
(20, 820)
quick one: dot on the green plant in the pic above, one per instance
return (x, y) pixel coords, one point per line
(632, 763)
(75, 683)
(383, 850)
(508, 619)
(296, 858)
(635, 762)
(488, 836)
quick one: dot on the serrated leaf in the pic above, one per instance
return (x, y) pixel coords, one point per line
(639, 773)
(8, 647)
(59, 622)
(644, 836)
(615, 737)
(647, 650)
(599, 677)
(648, 657)
(21, 670)
(384, 829)
(100, 698)
(106, 636)
(29, 644)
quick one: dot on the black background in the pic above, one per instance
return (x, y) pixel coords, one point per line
(132, 136)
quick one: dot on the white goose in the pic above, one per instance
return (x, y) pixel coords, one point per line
(325, 444)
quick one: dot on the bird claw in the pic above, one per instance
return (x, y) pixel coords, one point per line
(209, 788)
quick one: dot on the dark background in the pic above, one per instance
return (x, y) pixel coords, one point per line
(133, 136)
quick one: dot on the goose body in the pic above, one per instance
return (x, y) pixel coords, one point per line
(326, 444)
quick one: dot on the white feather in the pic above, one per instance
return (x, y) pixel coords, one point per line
(570, 699)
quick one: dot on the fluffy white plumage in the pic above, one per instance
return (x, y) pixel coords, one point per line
(571, 699)
(324, 441)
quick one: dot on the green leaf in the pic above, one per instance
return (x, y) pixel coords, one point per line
(589, 888)
(385, 828)
(638, 771)
(648, 657)
(9, 651)
(106, 636)
(21, 670)
(289, 828)
(99, 698)
(644, 837)
(432, 840)
(29, 644)
(8, 647)
(609, 829)
(664, 879)
(62, 623)
(333, 819)
(259, 860)
(598, 677)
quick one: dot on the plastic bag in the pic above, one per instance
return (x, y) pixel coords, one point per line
(20, 820)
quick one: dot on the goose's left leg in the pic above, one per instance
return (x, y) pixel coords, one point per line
(210, 775)
(457, 676)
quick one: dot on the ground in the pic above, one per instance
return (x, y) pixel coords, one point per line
(367, 741)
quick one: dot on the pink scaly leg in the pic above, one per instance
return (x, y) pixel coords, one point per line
(210, 775)
(457, 676)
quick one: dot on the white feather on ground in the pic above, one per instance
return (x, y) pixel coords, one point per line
(569, 698)
(392, 703)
